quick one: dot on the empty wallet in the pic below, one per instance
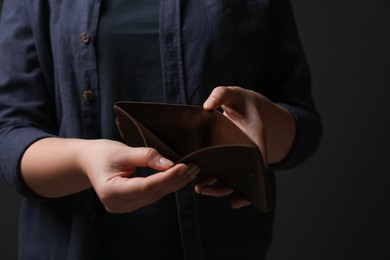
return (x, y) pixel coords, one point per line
(190, 134)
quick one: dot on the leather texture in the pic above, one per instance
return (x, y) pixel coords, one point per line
(190, 134)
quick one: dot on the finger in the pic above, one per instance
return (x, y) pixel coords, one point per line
(206, 182)
(149, 157)
(239, 202)
(220, 96)
(172, 179)
(129, 194)
(163, 183)
(216, 190)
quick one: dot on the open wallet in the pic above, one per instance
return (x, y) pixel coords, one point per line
(190, 134)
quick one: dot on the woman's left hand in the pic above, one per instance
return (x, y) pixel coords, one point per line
(269, 125)
(240, 106)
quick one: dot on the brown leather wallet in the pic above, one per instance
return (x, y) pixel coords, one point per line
(190, 134)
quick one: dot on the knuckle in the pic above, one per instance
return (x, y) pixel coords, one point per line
(219, 90)
(150, 153)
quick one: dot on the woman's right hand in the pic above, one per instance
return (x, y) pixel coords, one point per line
(56, 167)
(110, 167)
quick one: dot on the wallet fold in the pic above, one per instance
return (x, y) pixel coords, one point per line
(190, 134)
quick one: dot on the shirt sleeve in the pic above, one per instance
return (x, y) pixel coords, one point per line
(26, 114)
(288, 82)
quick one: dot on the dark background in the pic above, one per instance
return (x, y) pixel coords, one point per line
(337, 205)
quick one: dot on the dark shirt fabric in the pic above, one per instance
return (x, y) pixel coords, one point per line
(128, 52)
(129, 66)
(49, 87)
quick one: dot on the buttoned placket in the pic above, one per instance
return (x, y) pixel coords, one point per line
(175, 92)
(85, 39)
(89, 92)
(171, 52)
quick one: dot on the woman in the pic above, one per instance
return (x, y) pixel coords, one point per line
(64, 65)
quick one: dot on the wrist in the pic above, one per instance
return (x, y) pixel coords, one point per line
(85, 156)
(51, 168)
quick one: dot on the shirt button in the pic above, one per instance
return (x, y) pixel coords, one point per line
(87, 95)
(85, 38)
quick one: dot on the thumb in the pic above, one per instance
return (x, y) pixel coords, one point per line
(218, 97)
(149, 157)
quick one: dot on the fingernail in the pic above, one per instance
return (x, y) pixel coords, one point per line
(193, 171)
(165, 162)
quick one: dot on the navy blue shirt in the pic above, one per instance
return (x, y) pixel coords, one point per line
(128, 52)
(129, 64)
(49, 87)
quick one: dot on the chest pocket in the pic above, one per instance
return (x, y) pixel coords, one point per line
(238, 33)
(231, 18)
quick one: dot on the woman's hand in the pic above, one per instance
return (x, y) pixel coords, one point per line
(111, 165)
(270, 126)
(241, 106)
(56, 167)
(211, 187)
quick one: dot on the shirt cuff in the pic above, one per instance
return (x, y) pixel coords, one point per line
(307, 137)
(13, 145)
